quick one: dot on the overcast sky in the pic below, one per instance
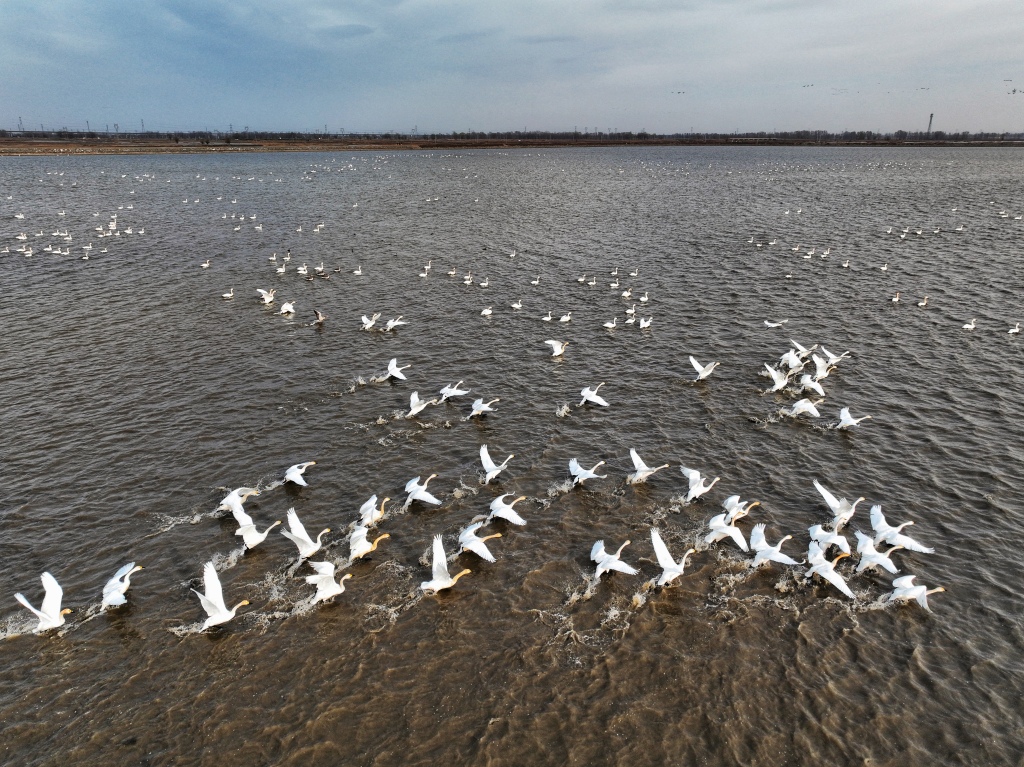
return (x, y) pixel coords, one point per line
(455, 65)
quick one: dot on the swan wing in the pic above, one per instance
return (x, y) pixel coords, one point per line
(597, 399)
(123, 571)
(597, 552)
(906, 542)
(324, 569)
(831, 500)
(423, 495)
(241, 517)
(614, 563)
(757, 540)
(54, 593)
(836, 580)
(411, 484)
(439, 567)
(509, 514)
(574, 467)
(692, 476)
(662, 552)
(211, 585)
(485, 459)
(696, 365)
(638, 463)
(737, 535)
(368, 507)
(25, 603)
(904, 582)
(877, 518)
(296, 526)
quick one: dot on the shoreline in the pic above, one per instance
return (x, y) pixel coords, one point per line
(129, 146)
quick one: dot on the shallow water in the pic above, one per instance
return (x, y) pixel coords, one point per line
(135, 397)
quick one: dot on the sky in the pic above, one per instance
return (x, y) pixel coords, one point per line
(438, 66)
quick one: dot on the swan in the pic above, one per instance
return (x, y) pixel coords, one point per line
(213, 599)
(392, 324)
(592, 281)
(802, 351)
(671, 568)
(611, 325)
(268, 295)
(892, 535)
(923, 302)
(294, 473)
(395, 371)
(536, 281)
(113, 591)
(282, 268)
(580, 475)
(230, 294)
(821, 368)
(247, 529)
(298, 535)
(720, 529)
(696, 483)
(418, 492)
(287, 308)
(846, 420)
(416, 405)
(627, 293)
(487, 312)
(557, 347)
(792, 360)
(870, 557)
(906, 590)
(518, 304)
(703, 371)
(842, 509)
(833, 359)
(971, 325)
(439, 570)
(369, 514)
(779, 378)
(549, 317)
(735, 509)
(326, 586)
(358, 271)
(614, 272)
(803, 406)
(359, 546)
(505, 511)
(590, 395)
(644, 298)
(615, 284)
(205, 264)
(233, 501)
(827, 571)
(470, 541)
(766, 553)
(582, 279)
(643, 471)
(368, 322)
(480, 407)
(491, 469)
(49, 613)
(645, 323)
(453, 391)
(826, 538)
(631, 319)
(806, 382)
(1014, 330)
(485, 282)
(606, 561)
(567, 317)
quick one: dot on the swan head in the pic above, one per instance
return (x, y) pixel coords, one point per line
(488, 537)
(66, 611)
(344, 577)
(517, 500)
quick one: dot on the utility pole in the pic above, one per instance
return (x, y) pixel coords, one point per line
(930, 118)
(21, 128)
(143, 125)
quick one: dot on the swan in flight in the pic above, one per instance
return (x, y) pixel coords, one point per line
(905, 590)
(643, 471)
(298, 535)
(233, 501)
(803, 406)
(557, 347)
(470, 541)
(671, 568)
(268, 295)
(439, 570)
(418, 492)
(766, 553)
(392, 324)
(892, 535)
(735, 509)
(320, 317)
(806, 382)
(802, 351)
(721, 529)
(326, 586)
(247, 529)
(703, 371)
(792, 360)
(779, 324)
(491, 469)
(505, 511)
(779, 378)
(294, 473)
(580, 475)
(827, 570)
(870, 557)
(590, 395)
(696, 482)
(49, 613)
(846, 420)
(213, 599)
(395, 371)
(606, 561)
(369, 514)
(480, 407)
(359, 546)
(113, 591)
(453, 391)
(826, 538)
(416, 405)
(369, 322)
(841, 508)
(834, 359)
(821, 368)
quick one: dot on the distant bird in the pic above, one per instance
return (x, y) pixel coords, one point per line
(696, 484)
(905, 590)
(369, 322)
(870, 557)
(501, 509)
(923, 302)
(439, 570)
(670, 568)
(268, 295)
(395, 371)
(213, 600)
(766, 553)
(557, 347)
(491, 469)
(518, 304)
(842, 509)
(720, 529)
(294, 473)
(417, 405)
(229, 295)
(590, 395)
(642, 470)
(646, 323)
(418, 492)
(703, 371)
(806, 382)
(487, 312)
(298, 535)
(359, 546)
(392, 324)
(567, 317)
(49, 613)
(358, 270)
(287, 308)
(896, 298)
(893, 535)
(779, 378)
(847, 421)
(326, 586)
(971, 325)
(320, 317)
(470, 541)
(580, 475)
(606, 561)
(480, 407)
(115, 588)
(611, 325)
(548, 317)
(802, 406)
(1014, 330)
(453, 391)
(205, 264)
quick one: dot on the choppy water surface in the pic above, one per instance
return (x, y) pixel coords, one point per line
(134, 397)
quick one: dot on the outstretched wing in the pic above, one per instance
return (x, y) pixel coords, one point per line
(757, 541)
(622, 567)
(240, 516)
(597, 551)
(54, 593)
(877, 518)
(836, 580)
(574, 467)
(638, 464)
(662, 552)
(211, 585)
(831, 500)
(411, 484)
(485, 459)
(692, 476)
(696, 365)
(439, 567)
(295, 525)
(323, 568)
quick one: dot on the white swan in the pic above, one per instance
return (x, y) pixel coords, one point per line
(644, 298)
(720, 529)
(294, 473)
(923, 302)
(671, 569)
(581, 475)
(115, 588)
(268, 295)
(369, 514)
(646, 323)
(418, 492)
(696, 484)
(233, 501)
(1014, 330)
(642, 470)
(518, 304)
(487, 312)
(892, 535)
(846, 420)
(395, 371)
(229, 295)
(359, 546)
(416, 405)
(792, 360)
(557, 347)
(480, 407)
(821, 368)
(803, 406)
(287, 308)
(505, 511)
(49, 613)
(213, 599)
(606, 561)
(590, 395)
(470, 541)
(779, 324)
(439, 570)
(298, 535)
(971, 325)
(567, 317)
(870, 557)
(548, 317)
(326, 586)
(826, 538)
(905, 590)
(827, 570)
(842, 509)
(453, 391)
(491, 469)
(806, 382)
(766, 553)
(247, 529)
(703, 371)
(802, 351)
(369, 322)
(392, 324)
(611, 325)
(779, 378)
(735, 509)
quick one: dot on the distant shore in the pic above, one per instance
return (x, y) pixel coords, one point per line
(15, 146)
